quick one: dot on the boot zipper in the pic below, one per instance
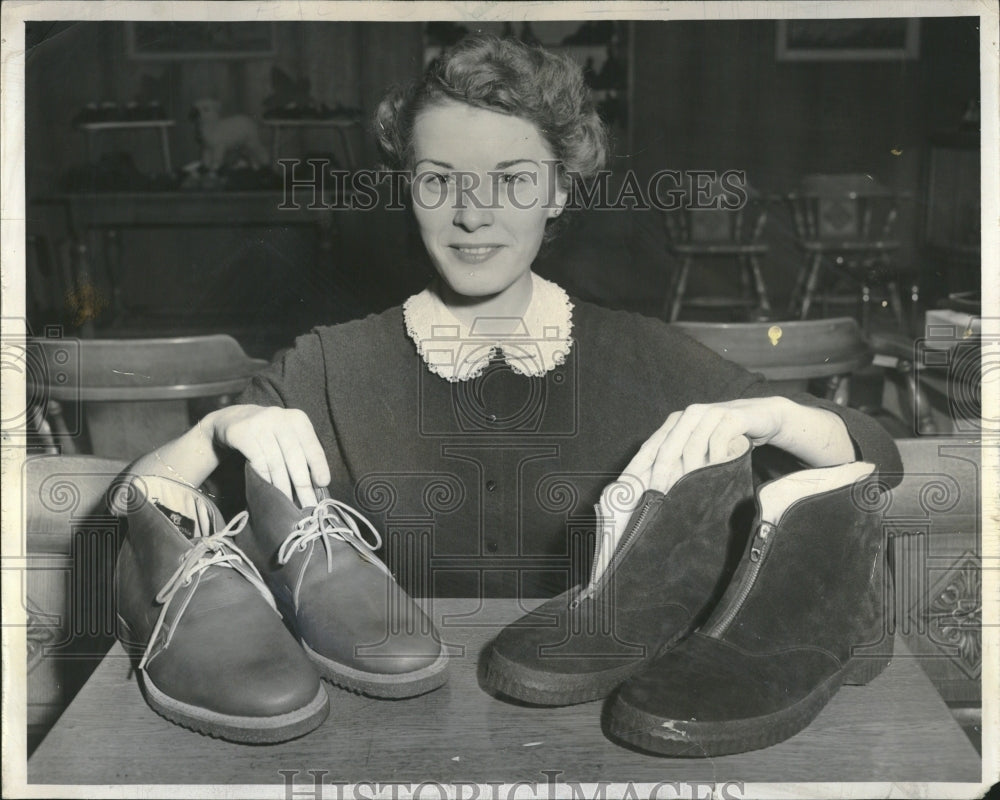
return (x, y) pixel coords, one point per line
(759, 548)
(638, 518)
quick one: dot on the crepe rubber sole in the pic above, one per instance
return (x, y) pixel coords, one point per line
(242, 729)
(384, 685)
(541, 687)
(704, 739)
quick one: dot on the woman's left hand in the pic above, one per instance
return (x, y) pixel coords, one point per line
(699, 435)
(704, 434)
(712, 433)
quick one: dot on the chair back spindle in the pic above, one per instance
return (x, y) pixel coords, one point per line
(845, 228)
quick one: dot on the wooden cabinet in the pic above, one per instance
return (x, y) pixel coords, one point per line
(952, 228)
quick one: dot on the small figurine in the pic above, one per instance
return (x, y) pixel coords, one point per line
(224, 137)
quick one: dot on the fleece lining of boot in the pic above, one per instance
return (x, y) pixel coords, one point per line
(779, 495)
(172, 496)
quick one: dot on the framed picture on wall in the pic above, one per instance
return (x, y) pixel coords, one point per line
(871, 39)
(189, 40)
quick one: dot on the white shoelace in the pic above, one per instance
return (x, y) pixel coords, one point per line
(207, 551)
(332, 519)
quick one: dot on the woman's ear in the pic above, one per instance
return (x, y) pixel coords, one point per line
(558, 202)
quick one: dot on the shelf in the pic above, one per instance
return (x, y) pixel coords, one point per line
(595, 47)
(159, 125)
(957, 139)
(125, 125)
(311, 123)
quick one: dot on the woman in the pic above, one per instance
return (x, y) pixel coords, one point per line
(478, 423)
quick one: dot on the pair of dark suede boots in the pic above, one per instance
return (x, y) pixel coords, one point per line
(234, 625)
(717, 627)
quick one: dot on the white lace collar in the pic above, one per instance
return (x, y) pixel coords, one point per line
(540, 342)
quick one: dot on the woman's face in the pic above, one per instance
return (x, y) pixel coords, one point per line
(484, 187)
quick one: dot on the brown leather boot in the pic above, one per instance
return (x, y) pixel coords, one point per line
(803, 615)
(667, 571)
(215, 655)
(354, 621)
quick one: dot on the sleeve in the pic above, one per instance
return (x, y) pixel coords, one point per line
(295, 379)
(298, 379)
(681, 370)
(717, 379)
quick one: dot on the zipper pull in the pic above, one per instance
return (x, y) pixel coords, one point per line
(760, 541)
(722, 619)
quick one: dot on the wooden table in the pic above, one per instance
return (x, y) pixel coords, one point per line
(895, 729)
(340, 125)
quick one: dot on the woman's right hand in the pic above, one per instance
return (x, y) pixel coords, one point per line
(280, 445)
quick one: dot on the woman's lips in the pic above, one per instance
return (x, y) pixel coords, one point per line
(475, 255)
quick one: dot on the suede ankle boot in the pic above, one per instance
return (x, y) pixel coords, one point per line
(214, 654)
(665, 574)
(803, 615)
(354, 621)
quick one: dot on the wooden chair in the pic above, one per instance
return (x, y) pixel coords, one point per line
(68, 548)
(791, 354)
(846, 224)
(895, 353)
(702, 234)
(131, 395)
(45, 279)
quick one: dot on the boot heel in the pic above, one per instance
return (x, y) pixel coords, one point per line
(864, 668)
(130, 643)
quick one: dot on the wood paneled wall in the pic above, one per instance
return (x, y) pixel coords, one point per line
(713, 95)
(704, 95)
(71, 64)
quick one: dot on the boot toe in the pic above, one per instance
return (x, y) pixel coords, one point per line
(706, 680)
(556, 639)
(260, 674)
(281, 685)
(370, 636)
(401, 655)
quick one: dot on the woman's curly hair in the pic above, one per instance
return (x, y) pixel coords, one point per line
(510, 77)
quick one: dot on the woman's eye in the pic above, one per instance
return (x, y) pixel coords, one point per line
(513, 177)
(435, 179)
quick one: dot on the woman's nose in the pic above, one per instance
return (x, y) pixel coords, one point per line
(472, 218)
(474, 208)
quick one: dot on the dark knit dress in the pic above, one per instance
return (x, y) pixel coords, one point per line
(486, 487)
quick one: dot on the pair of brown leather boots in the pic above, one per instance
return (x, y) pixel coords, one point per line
(719, 627)
(234, 625)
